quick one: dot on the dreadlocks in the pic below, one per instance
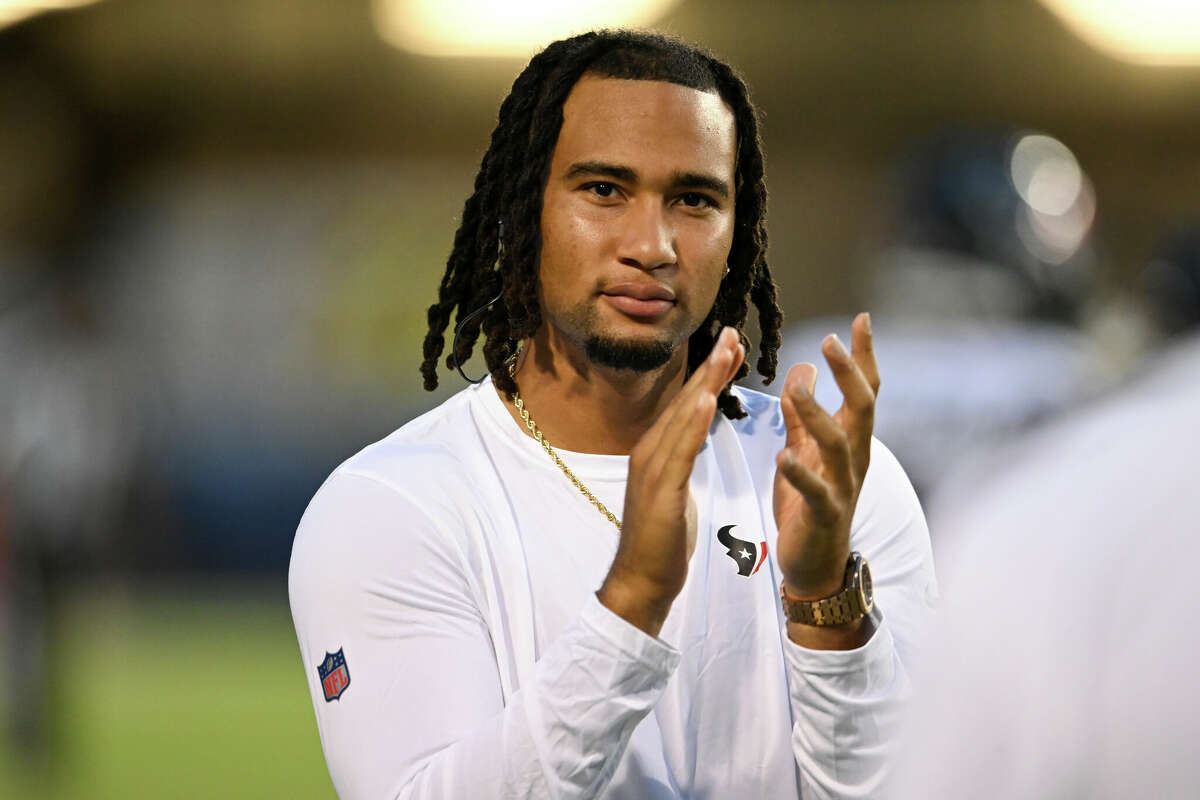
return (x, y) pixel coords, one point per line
(497, 245)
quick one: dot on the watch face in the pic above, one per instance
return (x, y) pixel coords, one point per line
(865, 586)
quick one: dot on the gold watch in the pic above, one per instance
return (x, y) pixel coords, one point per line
(852, 603)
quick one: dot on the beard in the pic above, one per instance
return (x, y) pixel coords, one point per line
(604, 347)
(642, 356)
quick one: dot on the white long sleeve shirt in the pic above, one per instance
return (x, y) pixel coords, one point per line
(454, 568)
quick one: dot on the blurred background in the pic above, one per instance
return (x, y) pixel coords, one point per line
(221, 224)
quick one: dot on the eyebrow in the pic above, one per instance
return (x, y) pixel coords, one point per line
(692, 180)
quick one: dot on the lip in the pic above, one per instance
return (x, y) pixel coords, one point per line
(640, 291)
(641, 300)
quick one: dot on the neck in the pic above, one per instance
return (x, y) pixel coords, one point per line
(586, 408)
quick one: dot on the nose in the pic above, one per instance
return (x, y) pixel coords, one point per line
(647, 239)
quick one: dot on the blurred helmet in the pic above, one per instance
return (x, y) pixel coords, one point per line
(1171, 281)
(990, 223)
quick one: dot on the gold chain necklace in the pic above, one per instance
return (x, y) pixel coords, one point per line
(537, 434)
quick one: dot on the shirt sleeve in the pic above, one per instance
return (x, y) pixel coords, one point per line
(847, 704)
(381, 578)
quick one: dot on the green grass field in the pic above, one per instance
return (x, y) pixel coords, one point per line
(178, 692)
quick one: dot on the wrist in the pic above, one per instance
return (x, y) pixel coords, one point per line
(636, 601)
(841, 611)
(846, 636)
(849, 635)
(817, 584)
(815, 588)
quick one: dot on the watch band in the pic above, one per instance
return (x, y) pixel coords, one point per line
(849, 605)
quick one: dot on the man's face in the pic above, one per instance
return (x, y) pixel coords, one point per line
(637, 219)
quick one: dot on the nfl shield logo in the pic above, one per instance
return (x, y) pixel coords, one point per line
(335, 676)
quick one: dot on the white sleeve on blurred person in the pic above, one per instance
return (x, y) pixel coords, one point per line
(1064, 665)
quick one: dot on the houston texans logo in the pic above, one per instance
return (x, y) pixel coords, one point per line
(747, 555)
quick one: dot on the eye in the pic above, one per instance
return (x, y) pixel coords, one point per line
(696, 200)
(601, 189)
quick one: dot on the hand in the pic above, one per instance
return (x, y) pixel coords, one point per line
(658, 532)
(823, 464)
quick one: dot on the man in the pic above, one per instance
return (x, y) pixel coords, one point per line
(484, 614)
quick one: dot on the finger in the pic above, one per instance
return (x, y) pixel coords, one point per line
(677, 465)
(858, 407)
(817, 492)
(727, 342)
(805, 375)
(720, 366)
(862, 346)
(856, 391)
(675, 417)
(684, 431)
(829, 436)
(722, 362)
(652, 438)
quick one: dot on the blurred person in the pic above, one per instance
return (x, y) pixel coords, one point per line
(1062, 665)
(68, 425)
(983, 323)
(1170, 283)
(69, 433)
(484, 614)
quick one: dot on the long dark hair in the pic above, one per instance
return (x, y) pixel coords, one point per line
(508, 198)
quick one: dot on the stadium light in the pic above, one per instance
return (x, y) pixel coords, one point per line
(1060, 203)
(1154, 32)
(13, 11)
(490, 28)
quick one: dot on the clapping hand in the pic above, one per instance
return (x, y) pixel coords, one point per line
(821, 470)
(658, 532)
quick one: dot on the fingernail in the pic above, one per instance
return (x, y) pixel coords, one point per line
(838, 347)
(867, 321)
